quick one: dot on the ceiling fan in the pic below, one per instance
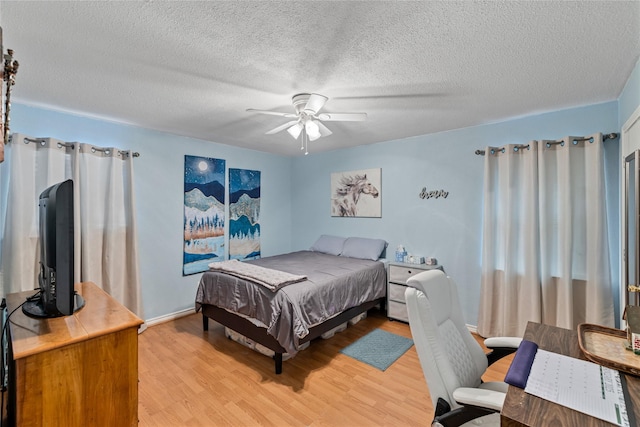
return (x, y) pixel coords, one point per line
(307, 117)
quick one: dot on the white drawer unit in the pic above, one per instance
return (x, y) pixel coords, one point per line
(399, 273)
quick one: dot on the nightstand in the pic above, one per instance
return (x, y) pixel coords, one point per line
(399, 273)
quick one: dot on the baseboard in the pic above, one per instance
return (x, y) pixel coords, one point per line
(170, 316)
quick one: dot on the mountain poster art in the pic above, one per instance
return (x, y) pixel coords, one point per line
(244, 214)
(204, 189)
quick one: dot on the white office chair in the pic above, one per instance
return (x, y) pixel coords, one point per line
(452, 360)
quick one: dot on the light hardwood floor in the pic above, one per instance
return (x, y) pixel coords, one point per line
(189, 377)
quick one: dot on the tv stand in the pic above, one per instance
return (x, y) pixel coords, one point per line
(73, 371)
(35, 307)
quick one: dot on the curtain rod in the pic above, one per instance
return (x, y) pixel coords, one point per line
(556, 142)
(70, 145)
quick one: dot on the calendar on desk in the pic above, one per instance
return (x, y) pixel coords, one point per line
(580, 385)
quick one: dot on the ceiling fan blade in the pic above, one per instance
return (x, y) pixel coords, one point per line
(315, 103)
(324, 131)
(342, 117)
(281, 127)
(273, 113)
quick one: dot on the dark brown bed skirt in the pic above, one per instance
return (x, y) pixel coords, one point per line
(258, 334)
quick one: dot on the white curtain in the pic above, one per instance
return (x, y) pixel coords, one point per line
(545, 254)
(510, 278)
(105, 230)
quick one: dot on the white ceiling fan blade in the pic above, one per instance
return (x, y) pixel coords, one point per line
(273, 113)
(342, 117)
(281, 127)
(315, 103)
(324, 131)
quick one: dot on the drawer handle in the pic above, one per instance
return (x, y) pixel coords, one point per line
(410, 272)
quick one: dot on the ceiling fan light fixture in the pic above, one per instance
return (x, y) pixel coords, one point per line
(312, 129)
(295, 130)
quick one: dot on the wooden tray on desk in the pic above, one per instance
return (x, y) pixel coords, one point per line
(608, 347)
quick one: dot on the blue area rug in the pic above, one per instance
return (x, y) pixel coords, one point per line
(378, 348)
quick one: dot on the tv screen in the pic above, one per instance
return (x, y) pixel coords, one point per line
(57, 295)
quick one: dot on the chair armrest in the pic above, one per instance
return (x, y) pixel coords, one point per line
(460, 416)
(477, 403)
(501, 347)
(483, 398)
(510, 342)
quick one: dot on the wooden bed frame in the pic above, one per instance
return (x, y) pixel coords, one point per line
(259, 334)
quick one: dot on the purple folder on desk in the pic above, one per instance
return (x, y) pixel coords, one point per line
(518, 372)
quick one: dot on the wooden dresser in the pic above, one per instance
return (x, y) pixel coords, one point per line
(78, 370)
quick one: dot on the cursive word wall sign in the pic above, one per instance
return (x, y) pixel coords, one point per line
(433, 194)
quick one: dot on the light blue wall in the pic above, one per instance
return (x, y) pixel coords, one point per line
(629, 99)
(159, 179)
(448, 229)
(296, 193)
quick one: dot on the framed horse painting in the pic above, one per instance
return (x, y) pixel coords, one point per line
(356, 193)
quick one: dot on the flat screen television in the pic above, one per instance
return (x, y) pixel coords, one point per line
(57, 296)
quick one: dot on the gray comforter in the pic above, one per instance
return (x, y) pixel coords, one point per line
(333, 284)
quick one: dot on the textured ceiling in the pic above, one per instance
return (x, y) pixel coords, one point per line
(193, 68)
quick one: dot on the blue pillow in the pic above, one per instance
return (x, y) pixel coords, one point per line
(331, 245)
(363, 248)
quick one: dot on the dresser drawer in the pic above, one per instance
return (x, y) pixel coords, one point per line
(397, 310)
(396, 292)
(400, 274)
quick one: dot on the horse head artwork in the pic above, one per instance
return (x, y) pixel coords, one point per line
(349, 189)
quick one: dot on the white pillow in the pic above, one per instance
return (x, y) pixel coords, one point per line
(326, 244)
(363, 248)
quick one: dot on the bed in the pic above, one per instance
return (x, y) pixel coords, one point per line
(337, 280)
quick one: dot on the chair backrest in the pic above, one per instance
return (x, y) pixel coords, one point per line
(449, 355)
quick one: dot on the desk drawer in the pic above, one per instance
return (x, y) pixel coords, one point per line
(401, 274)
(396, 292)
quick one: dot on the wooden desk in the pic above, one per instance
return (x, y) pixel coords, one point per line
(522, 409)
(78, 370)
